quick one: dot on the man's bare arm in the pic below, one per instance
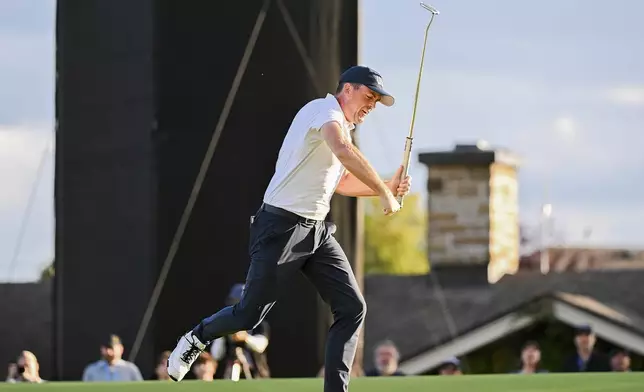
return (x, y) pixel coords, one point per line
(350, 185)
(352, 158)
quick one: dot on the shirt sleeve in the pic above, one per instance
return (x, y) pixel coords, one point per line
(258, 339)
(87, 373)
(218, 349)
(257, 343)
(136, 373)
(327, 114)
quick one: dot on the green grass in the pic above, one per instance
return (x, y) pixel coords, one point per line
(580, 382)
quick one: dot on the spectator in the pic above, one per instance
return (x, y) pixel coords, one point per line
(450, 367)
(531, 359)
(112, 367)
(586, 359)
(620, 361)
(204, 367)
(161, 370)
(252, 344)
(26, 369)
(386, 357)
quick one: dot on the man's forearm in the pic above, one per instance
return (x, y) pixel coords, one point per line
(357, 164)
(353, 187)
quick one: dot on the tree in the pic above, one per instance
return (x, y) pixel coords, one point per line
(396, 244)
(47, 272)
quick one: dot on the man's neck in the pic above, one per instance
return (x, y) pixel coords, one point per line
(341, 103)
(111, 362)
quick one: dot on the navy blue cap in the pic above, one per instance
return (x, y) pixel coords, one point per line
(112, 341)
(583, 329)
(451, 361)
(370, 78)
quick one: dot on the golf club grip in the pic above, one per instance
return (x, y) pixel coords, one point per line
(405, 165)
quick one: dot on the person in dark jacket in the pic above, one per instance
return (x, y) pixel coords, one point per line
(587, 358)
(244, 348)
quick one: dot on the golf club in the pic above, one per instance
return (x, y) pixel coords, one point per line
(410, 137)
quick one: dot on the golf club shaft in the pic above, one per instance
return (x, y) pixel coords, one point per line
(410, 137)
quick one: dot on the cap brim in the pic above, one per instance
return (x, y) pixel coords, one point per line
(385, 98)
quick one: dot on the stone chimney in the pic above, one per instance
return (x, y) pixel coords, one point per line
(473, 211)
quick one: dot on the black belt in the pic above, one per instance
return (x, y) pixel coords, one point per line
(287, 214)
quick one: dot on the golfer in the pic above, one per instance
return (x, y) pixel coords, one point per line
(289, 235)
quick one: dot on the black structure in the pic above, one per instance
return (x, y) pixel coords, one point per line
(141, 87)
(26, 324)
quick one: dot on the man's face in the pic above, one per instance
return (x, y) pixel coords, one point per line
(386, 359)
(531, 355)
(112, 353)
(450, 370)
(162, 371)
(620, 362)
(359, 103)
(585, 341)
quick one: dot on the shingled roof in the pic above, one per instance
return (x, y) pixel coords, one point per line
(412, 310)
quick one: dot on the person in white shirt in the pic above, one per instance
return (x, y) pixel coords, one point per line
(288, 234)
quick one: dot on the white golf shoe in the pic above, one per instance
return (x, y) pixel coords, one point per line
(184, 355)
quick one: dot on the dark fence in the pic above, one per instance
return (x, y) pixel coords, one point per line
(26, 324)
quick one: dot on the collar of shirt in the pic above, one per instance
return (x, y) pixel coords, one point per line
(581, 364)
(347, 124)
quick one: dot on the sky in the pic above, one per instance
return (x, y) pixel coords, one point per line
(558, 82)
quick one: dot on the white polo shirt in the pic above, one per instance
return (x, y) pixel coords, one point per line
(307, 172)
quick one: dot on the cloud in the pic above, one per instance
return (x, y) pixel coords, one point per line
(629, 95)
(21, 151)
(566, 127)
(610, 225)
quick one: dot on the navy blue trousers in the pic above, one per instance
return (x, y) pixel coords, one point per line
(281, 245)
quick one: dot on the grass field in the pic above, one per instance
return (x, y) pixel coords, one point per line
(609, 382)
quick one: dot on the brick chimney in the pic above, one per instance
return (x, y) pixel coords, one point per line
(473, 211)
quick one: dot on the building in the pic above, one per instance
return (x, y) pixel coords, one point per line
(476, 293)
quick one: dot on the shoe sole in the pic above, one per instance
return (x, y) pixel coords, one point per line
(167, 364)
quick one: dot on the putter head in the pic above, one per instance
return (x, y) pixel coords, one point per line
(429, 8)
